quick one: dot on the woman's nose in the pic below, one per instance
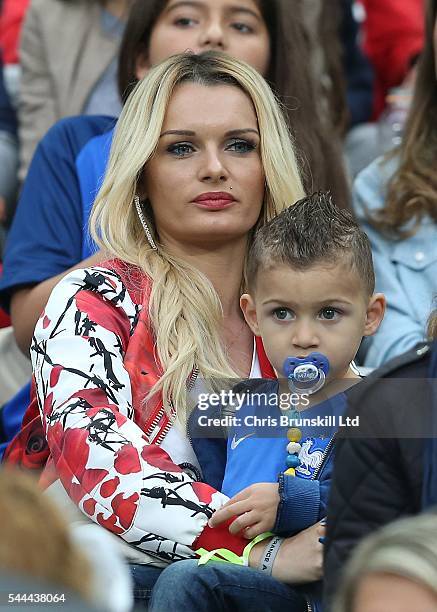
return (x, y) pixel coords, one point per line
(212, 168)
(212, 36)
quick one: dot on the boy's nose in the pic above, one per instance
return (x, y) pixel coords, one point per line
(304, 336)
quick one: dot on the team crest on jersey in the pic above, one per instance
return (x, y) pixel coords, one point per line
(310, 458)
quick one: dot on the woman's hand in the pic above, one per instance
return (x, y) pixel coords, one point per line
(299, 559)
(255, 508)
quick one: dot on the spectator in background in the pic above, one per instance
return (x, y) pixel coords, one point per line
(343, 74)
(393, 37)
(8, 158)
(35, 541)
(68, 59)
(358, 71)
(395, 199)
(75, 559)
(344, 77)
(11, 16)
(11, 19)
(15, 367)
(394, 570)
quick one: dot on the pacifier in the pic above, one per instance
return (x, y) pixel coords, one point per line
(306, 375)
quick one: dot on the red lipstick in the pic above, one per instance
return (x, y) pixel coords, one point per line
(214, 200)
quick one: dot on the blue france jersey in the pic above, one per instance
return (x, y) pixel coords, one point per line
(257, 445)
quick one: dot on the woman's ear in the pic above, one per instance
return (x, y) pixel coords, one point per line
(141, 187)
(247, 305)
(374, 314)
(142, 64)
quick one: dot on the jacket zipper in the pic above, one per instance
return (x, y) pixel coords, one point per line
(325, 454)
(190, 386)
(156, 437)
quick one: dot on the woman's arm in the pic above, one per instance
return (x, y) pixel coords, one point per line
(89, 411)
(29, 302)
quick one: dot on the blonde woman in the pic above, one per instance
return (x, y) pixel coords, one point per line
(200, 158)
(394, 570)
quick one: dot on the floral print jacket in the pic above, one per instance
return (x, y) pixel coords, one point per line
(93, 362)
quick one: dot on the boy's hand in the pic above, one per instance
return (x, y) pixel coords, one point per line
(255, 508)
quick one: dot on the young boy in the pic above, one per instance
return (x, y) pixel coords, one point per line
(310, 291)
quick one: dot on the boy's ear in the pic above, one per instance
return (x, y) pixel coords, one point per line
(375, 313)
(247, 305)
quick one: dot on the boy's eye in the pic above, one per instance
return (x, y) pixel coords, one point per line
(282, 314)
(241, 146)
(329, 314)
(180, 149)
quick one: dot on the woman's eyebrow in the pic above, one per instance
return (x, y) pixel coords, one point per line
(191, 133)
(242, 131)
(178, 133)
(244, 9)
(191, 3)
(196, 4)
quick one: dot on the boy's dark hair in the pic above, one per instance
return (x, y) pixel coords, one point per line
(311, 232)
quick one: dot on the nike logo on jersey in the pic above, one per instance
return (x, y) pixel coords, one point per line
(235, 442)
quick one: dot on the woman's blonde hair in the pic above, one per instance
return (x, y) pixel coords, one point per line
(185, 310)
(34, 537)
(432, 325)
(407, 548)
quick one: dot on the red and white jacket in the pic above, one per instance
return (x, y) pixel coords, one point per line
(93, 361)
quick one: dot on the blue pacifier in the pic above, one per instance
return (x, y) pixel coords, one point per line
(306, 374)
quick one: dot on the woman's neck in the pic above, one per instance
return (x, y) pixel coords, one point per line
(222, 265)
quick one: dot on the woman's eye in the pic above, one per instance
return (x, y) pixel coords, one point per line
(241, 146)
(181, 149)
(185, 22)
(282, 314)
(243, 28)
(329, 314)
